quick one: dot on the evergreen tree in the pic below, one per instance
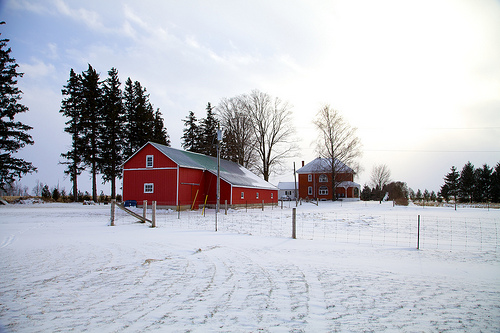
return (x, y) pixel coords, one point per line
(92, 122)
(466, 182)
(145, 115)
(451, 185)
(13, 134)
(72, 108)
(482, 184)
(112, 136)
(140, 116)
(418, 196)
(229, 148)
(191, 134)
(495, 184)
(130, 115)
(46, 192)
(160, 134)
(366, 193)
(208, 130)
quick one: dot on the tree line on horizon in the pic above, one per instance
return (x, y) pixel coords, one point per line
(472, 184)
(106, 124)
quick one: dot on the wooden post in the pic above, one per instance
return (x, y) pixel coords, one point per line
(112, 220)
(294, 223)
(281, 204)
(153, 218)
(418, 234)
(144, 209)
(225, 204)
(179, 212)
(262, 205)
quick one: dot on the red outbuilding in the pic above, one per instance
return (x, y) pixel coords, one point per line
(174, 178)
(315, 180)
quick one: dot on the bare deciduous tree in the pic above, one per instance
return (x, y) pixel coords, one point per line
(239, 141)
(273, 130)
(381, 176)
(337, 142)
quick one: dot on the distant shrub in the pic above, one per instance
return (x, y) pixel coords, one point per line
(401, 202)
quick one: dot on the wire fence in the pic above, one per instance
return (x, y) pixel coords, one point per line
(435, 232)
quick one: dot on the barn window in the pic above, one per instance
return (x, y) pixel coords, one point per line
(309, 178)
(149, 188)
(149, 161)
(323, 190)
(257, 195)
(323, 178)
(310, 190)
(243, 195)
(272, 195)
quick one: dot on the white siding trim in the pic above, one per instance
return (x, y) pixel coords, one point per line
(178, 186)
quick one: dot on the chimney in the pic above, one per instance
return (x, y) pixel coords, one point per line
(302, 163)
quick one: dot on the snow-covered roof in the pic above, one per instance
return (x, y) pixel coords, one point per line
(231, 172)
(321, 165)
(348, 184)
(287, 185)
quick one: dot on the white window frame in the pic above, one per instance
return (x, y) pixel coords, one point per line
(256, 195)
(242, 195)
(323, 178)
(150, 165)
(147, 186)
(310, 190)
(309, 178)
(272, 195)
(323, 190)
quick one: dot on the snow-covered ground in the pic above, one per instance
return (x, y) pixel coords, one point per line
(354, 267)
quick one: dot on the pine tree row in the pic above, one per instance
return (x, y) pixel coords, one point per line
(472, 184)
(106, 125)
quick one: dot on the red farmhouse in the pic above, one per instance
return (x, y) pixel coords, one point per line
(315, 180)
(174, 177)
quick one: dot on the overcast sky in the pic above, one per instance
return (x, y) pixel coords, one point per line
(419, 79)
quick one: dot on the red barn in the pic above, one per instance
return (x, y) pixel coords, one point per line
(315, 180)
(174, 177)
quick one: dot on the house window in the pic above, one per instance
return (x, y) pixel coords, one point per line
(149, 161)
(243, 195)
(272, 195)
(257, 195)
(323, 178)
(310, 190)
(149, 188)
(323, 190)
(309, 178)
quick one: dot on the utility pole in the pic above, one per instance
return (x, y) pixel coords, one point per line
(219, 138)
(295, 186)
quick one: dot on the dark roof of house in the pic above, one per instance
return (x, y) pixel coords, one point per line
(231, 172)
(323, 165)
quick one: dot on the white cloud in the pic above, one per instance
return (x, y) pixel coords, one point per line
(37, 69)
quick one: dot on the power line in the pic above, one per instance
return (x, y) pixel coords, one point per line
(430, 151)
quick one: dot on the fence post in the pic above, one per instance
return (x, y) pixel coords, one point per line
(225, 204)
(112, 220)
(418, 233)
(153, 217)
(294, 224)
(144, 209)
(281, 204)
(262, 205)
